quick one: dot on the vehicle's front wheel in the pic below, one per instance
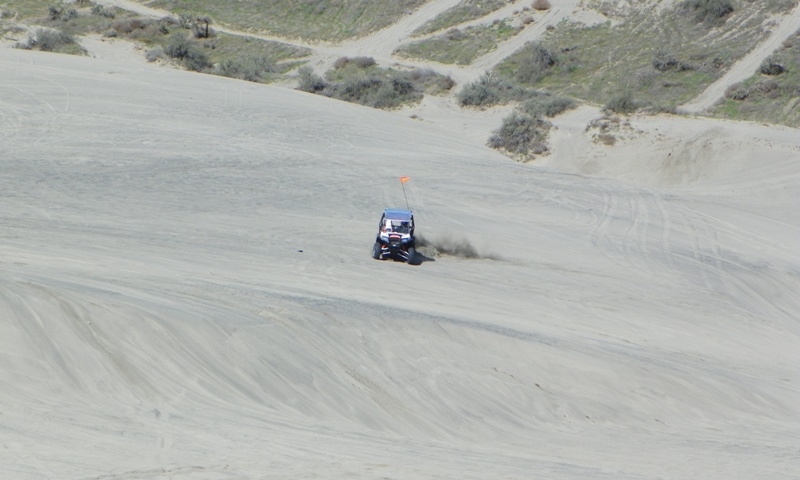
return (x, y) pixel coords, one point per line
(376, 251)
(412, 255)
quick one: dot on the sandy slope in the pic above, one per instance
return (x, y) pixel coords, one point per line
(186, 291)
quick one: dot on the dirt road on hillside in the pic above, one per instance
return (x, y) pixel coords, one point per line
(784, 26)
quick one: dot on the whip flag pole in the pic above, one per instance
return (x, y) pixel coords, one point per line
(403, 181)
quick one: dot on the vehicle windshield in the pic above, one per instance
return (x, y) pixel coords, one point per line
(397, 226)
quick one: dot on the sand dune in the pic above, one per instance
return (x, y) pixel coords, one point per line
(186, 290)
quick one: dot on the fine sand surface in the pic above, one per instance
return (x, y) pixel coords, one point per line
(186, 290)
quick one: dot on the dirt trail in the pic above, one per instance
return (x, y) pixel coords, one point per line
(785, 26)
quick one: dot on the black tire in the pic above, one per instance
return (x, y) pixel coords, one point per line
(412, 255)
(376, 251)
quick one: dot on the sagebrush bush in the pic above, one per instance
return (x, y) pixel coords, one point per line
(533, 62)
(430, 81)
(104, 11)
(541, 5)
(489, 89)
(154, 54)
(180, 47)
(308, 81)
(773, 65)
(737, 92)
(521, 134)
(547, 105)
(664, 62)
(360, 80)
(374, 91)
(622, 103)
(709, 10)
(253, 68)
(359, 62)
(125, 27)
(48, 40)
(62, 12)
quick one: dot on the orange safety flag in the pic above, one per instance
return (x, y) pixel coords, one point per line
(404, 179)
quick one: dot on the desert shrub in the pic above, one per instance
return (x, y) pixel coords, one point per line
(48, 40)
(374, 91)
(766, 88)
(664, 62)
(622, 103)
(606, 139)
(489, 89)
(253, 68)
(127, 26)
(52, 40)
(772, 66)
(153, 54)
(547, 105)
(197, 60)
(61, 12)
(185, 21)
(521, 134)
(180, 47)
(737, 92)
(359, 80)
(793, 41)
(533, 61)
(709, 10)
(103, 11)
(308, 81)
(484, 91)
(431, 81)
(456, 35)
(541, 5)
(358, 62)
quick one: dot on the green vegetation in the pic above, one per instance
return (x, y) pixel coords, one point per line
(709, 10)
(490, 89)
(524, 133)
(663, 58)
(773, 94)
(23, 10)
(360, 80)
(465, 11)
(622, 103)
(307, 19)
(56, 41)
(544, 105)
(458, 46)
(651, 59)
(188, 39)
(521, 135)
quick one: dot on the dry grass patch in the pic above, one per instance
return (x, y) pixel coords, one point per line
(772, 95)
(307, 19)
(663, 57)
(459, 46)
(465, 11)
